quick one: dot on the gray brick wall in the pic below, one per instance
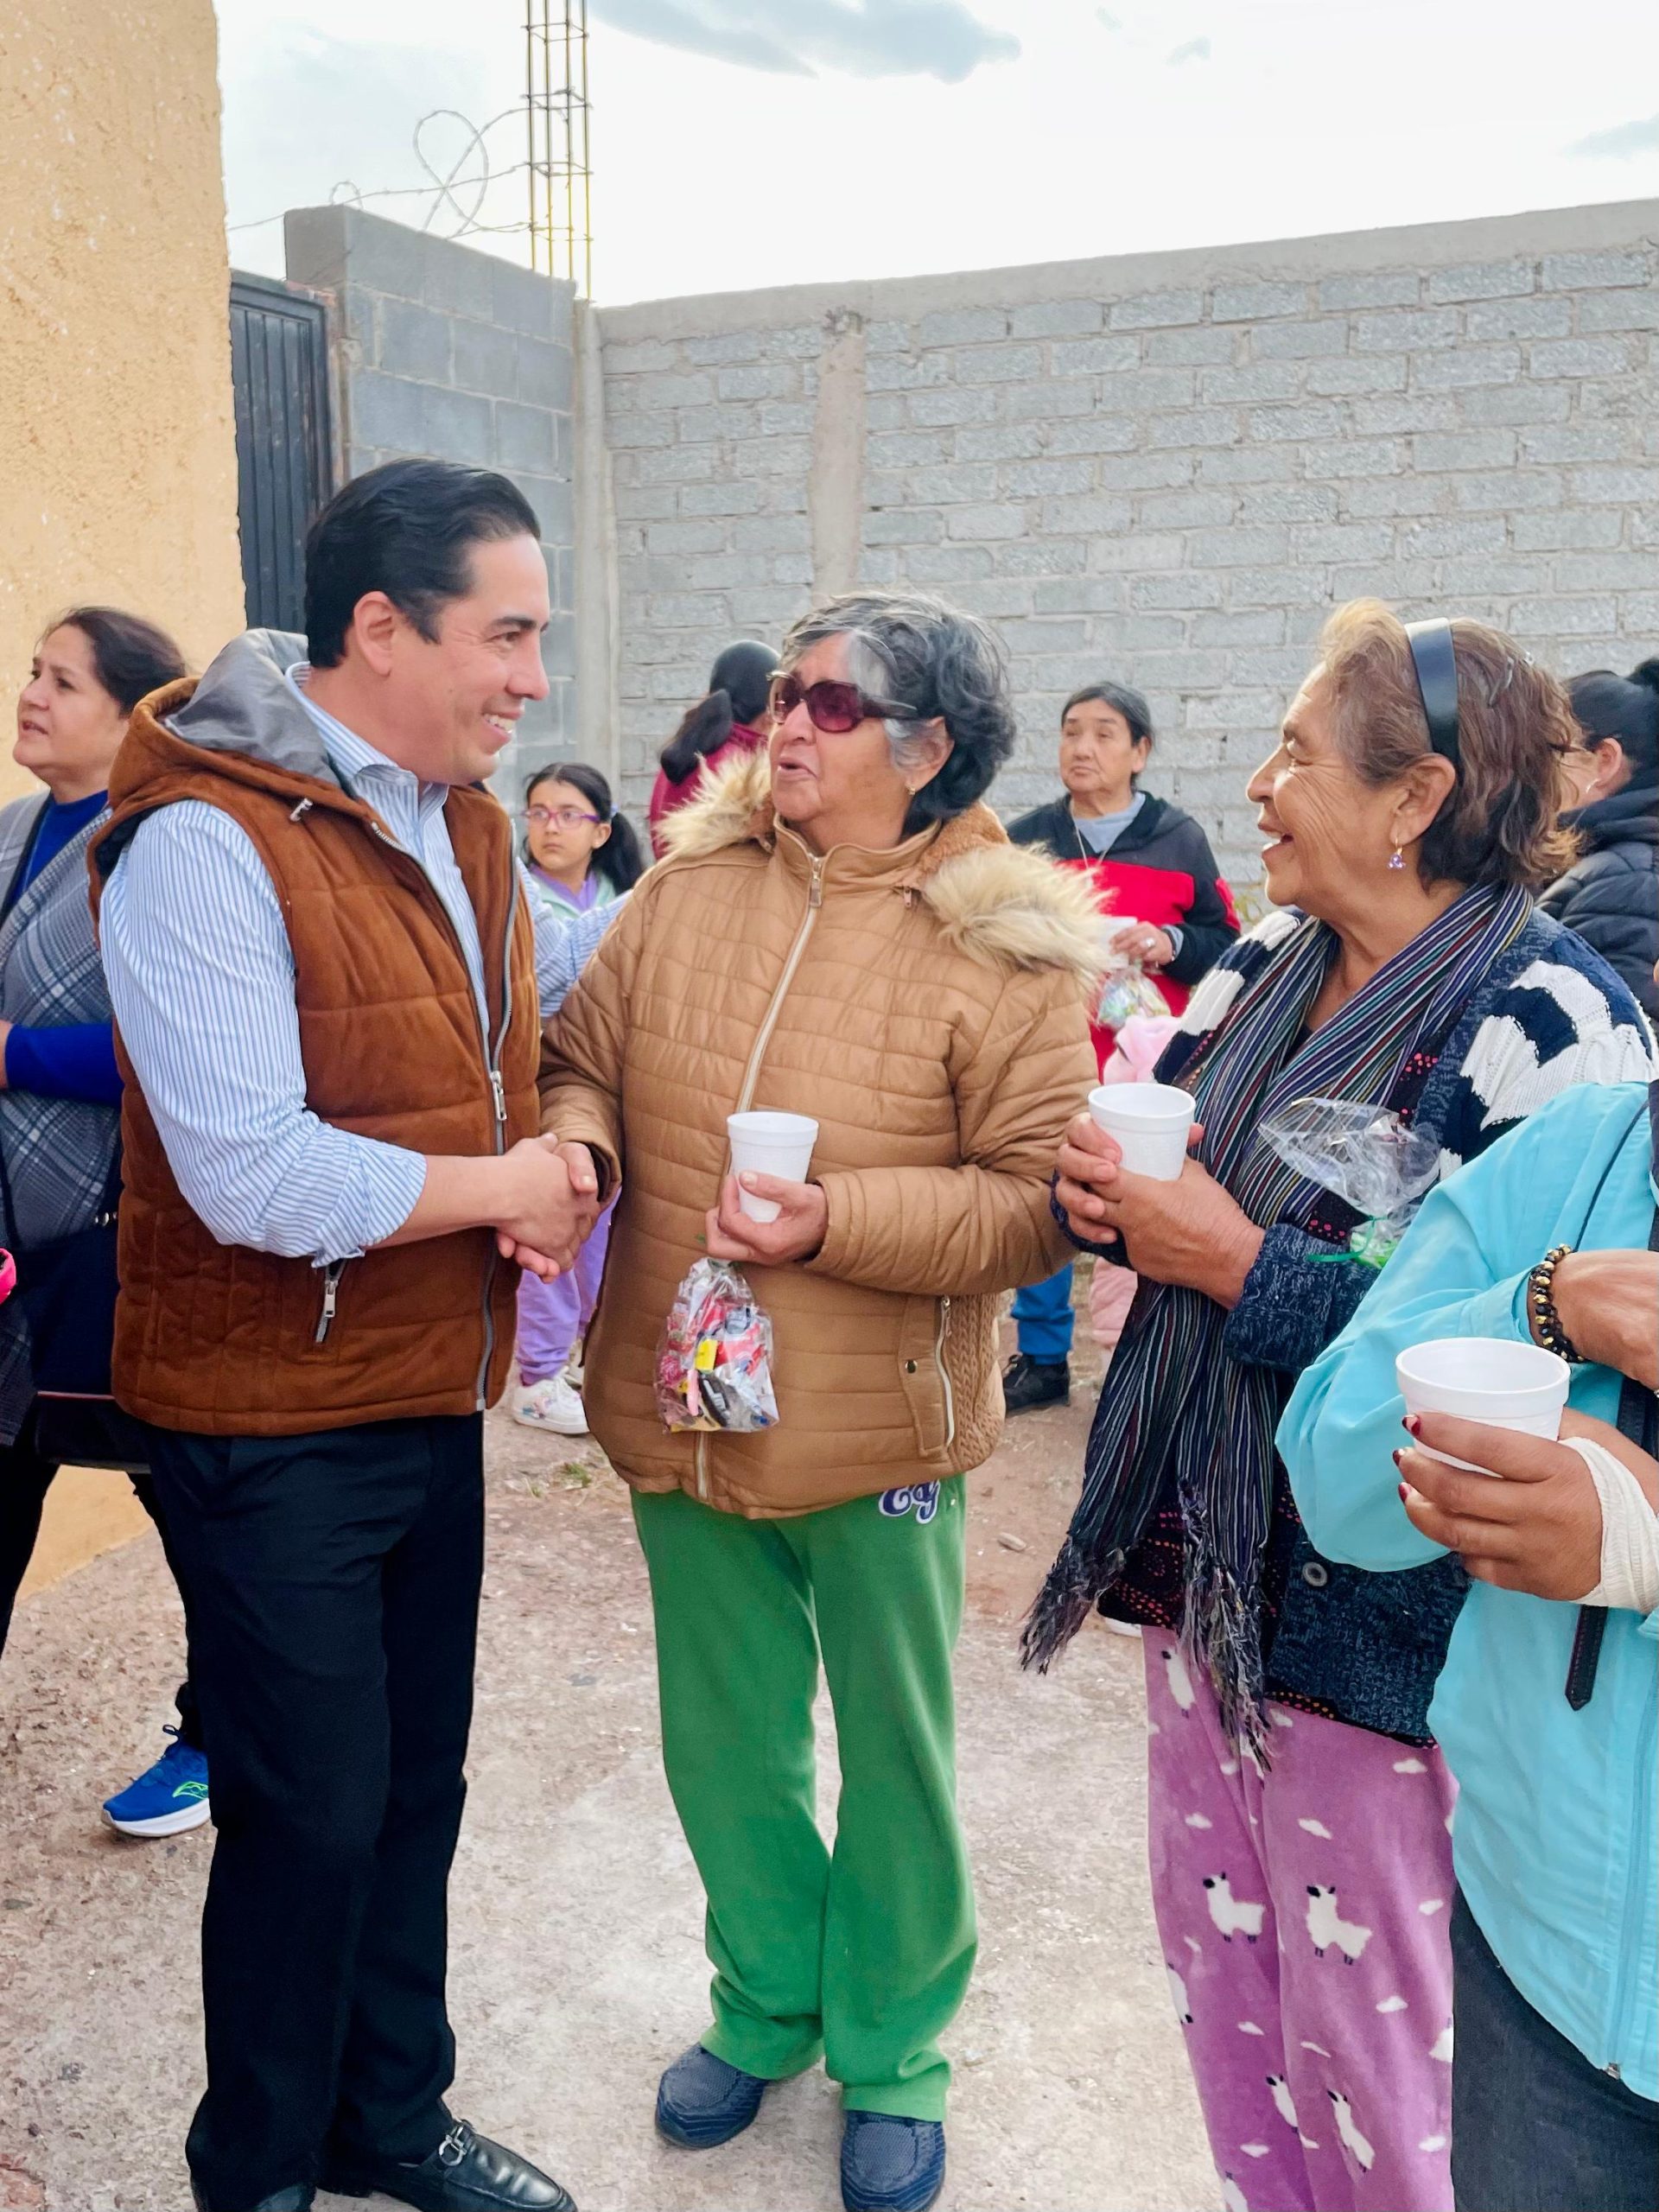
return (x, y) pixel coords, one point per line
(1166, 469)
(446, 352)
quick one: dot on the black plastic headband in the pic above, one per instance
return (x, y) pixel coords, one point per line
(1436, 665)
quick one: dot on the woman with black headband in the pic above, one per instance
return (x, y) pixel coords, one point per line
(1300, 1860)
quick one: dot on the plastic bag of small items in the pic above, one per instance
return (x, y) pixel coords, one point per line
(1126, 989)
(1367, 1156)
(714, 1359)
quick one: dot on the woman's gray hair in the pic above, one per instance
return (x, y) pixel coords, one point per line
(917, 653)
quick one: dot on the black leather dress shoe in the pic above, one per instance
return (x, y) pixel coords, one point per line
(300, 2198)
(466, 2173)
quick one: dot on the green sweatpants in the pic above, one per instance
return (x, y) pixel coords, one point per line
(860, 1955)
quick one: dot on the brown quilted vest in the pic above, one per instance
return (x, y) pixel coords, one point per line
(227, 1341)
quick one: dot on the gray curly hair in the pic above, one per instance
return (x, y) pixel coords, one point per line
(919, 653)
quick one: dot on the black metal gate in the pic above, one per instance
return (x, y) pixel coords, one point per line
(279, 369)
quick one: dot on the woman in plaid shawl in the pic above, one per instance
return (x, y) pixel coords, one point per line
(1301, 1864)
(59, 1089)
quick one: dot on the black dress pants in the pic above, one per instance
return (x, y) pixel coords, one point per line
(333, 1582)
(25, 1478)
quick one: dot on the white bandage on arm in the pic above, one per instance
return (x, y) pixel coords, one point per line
(1630, 1532)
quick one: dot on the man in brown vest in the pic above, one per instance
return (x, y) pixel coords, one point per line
(329, 992)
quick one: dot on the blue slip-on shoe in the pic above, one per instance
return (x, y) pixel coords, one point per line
(889, 2165)
(167, 1798)
(701, 2101)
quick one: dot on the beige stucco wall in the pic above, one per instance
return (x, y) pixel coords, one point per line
(118, 459)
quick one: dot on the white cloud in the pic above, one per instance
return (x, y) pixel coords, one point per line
(865, 38)
(1619, 143)
(1194, 49)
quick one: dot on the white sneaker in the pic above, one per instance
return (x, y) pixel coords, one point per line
(551, 1404)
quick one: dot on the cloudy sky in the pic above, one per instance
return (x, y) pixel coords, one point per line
(738, 143)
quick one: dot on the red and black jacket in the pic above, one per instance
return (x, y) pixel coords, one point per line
(1159, 869)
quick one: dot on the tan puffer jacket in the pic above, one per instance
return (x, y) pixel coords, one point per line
(928, 1006)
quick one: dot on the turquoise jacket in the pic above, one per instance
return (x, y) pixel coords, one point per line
(1554, 1836)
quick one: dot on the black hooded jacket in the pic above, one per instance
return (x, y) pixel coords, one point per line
(1160, 869)
(1609, 896)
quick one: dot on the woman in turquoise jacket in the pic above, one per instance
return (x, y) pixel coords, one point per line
(1551, 1739)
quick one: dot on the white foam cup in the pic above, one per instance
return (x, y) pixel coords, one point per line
(1497, 1380)
(770, 1144)
(1149, 1121)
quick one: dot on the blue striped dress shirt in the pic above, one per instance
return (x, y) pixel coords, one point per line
(201, 977)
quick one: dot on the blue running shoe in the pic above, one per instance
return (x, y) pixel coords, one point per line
(701, 2101)
(167, 1798)
(889, 2165)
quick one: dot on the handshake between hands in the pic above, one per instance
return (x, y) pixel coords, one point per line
(547, 1202)
(551, 1203)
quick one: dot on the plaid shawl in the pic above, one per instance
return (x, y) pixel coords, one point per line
(57, 1151)
(1173, 1402)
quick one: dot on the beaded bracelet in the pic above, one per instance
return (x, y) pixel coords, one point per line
(1541, 1307)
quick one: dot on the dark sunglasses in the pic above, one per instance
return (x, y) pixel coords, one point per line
(833, 708)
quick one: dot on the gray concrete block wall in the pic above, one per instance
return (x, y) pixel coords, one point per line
(1166, 469)
(446, 352)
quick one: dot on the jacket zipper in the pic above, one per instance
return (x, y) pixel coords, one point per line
(331, 1276)
(498, 1088)
(944, 1375)
(498, 1096)
(763, 1035)
(751, 1076)
(1635, 1888)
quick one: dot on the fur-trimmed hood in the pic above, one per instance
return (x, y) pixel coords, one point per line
(1004, 905)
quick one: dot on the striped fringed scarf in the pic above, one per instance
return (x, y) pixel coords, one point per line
(1172, 1400)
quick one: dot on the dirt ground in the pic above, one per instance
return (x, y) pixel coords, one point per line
(578, 1970)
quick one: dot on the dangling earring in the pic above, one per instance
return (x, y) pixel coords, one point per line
(1397, 860)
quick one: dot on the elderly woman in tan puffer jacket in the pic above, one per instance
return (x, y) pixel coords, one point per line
(842, 928)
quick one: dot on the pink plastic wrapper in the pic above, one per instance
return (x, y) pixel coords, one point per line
(714, 1359)
(1138, 1047)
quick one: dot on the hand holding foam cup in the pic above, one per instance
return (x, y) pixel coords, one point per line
(770, 1144)
(1148, 1122)
(1496, 1380)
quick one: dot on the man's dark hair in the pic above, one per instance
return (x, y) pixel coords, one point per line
(405, 529)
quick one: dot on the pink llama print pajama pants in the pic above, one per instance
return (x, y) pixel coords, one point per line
(1304, 1916)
